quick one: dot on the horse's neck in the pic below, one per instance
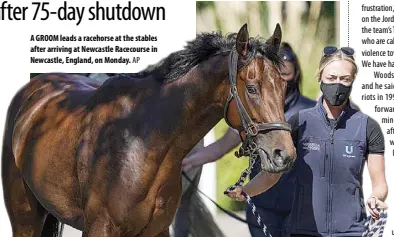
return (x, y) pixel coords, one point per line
(172, 117)
(195, 103)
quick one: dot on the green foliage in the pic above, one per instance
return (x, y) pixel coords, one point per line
(264, 20)
(200, 5)
(328, 9)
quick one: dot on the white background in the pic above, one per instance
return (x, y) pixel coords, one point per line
(172, 33)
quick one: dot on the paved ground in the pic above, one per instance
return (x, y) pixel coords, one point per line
(229, 226)
(232, 227)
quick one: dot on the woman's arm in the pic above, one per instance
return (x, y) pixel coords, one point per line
(259, 184)
(376, 168)
(212, 152)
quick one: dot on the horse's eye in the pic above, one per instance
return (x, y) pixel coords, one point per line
(251, 89)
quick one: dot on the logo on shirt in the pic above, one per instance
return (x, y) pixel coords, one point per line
(349, 151)
(310, 146)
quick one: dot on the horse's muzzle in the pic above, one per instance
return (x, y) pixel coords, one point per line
(277, 161)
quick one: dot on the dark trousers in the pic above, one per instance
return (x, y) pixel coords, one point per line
(276, 222)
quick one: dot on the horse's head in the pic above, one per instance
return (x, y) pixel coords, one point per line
(255, 106)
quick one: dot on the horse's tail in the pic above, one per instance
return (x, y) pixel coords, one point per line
(9, 171)
(193, 219)
(52, 227)
(203, 223)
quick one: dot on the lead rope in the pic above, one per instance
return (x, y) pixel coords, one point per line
(239, 183)
(375, 228)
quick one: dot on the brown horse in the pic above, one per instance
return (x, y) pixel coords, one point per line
(107, 159)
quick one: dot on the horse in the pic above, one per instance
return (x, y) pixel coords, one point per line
(192, 218)
(106, 159)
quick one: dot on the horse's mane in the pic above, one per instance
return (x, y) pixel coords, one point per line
(203, 47)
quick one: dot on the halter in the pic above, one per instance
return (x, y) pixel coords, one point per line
(250, 128)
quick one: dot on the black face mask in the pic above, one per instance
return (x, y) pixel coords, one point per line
(336, 93)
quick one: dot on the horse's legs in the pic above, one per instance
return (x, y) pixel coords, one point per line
(26, 214)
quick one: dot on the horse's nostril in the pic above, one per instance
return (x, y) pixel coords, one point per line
(278, 152)
(280, 157)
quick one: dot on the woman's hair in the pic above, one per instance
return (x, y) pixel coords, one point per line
(287, 54)
(339, 55)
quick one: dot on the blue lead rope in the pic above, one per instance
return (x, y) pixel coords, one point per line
(258, 217)
(375, 228)
(239, 183)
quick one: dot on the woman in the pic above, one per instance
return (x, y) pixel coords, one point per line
(333, 142)
(275, 204)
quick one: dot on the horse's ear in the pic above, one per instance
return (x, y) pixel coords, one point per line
(243, 41)
(275, 39)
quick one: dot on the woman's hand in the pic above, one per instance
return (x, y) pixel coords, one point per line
(372, 204)
(236, 194)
